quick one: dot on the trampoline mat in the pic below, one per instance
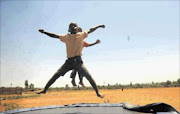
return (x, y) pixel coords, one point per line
(87, 110)
(94, 108)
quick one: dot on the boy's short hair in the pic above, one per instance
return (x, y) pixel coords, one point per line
(72, 26)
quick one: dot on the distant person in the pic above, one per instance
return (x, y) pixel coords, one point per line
(73, 73)
(74, 45)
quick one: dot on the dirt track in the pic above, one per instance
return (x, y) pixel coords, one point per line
(170, 96)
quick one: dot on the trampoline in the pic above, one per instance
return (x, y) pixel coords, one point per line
(94, 108)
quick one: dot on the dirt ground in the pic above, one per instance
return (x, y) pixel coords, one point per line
(170, 96)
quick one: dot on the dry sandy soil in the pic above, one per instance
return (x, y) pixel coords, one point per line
(170, 96)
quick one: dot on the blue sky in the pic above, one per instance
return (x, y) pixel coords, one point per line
(151, 54)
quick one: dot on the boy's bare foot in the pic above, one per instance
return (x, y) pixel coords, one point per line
(41, 92)
(81, 83)
(101, 96)
(73, 82)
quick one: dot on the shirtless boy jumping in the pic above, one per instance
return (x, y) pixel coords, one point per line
(74, 46)
(73, 73)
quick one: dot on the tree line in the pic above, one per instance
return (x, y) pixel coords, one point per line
(168, 83)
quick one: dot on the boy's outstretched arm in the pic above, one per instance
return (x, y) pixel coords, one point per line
(97, 42)
(49, 34)
(94, 28)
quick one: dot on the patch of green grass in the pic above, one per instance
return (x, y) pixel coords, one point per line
(11, 106)
(20, 97)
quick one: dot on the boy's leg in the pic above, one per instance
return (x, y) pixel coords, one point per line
(73, 75)
(84, 72)
(61, 71)
(80, 80)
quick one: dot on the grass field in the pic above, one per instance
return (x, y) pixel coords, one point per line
(170, 96)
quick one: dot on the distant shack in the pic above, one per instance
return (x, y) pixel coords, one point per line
(11, 90)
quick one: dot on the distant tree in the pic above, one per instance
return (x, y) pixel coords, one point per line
(26, 84)
(138, 84)
(152, 82)
(67, 86)
(131, 84)
(168, 83)
(178, 81)
(31, 86)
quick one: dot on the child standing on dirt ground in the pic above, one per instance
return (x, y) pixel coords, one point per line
(73, 73)
(74, 45)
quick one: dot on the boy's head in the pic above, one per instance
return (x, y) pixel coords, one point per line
(72, 28)
(79, 29)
